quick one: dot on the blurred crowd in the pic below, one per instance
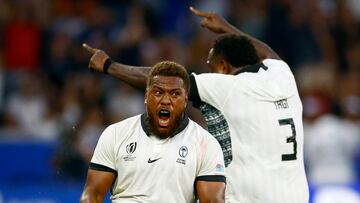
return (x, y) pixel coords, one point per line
(47, 91)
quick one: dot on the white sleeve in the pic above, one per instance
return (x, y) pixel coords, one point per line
(211, 88)
(104, 155)
(212, 166)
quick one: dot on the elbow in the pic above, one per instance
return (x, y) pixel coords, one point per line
(84, 199)
(87, 197)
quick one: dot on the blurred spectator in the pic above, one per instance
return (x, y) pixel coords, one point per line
(22, 39)
(134, 32)
(124, 102)
(354, 5)
(71, 107)
(353, 59)
(57, 62)
(330, 148)
(26, 108)
(2, 81)
(331, 143)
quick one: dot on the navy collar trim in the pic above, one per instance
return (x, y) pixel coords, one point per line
(252, 68)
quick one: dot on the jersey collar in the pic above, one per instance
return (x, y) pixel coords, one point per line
(252, 68)
(182, 126)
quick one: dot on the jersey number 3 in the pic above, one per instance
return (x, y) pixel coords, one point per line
(291, 139)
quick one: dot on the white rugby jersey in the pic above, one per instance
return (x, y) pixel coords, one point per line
(153, 170)
(256, 115)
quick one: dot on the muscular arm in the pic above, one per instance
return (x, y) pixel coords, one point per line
(218, 24)
(133, 75)
(98, 183)
(210, 192)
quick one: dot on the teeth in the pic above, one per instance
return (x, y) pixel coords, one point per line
(164, 113)
(164, 121)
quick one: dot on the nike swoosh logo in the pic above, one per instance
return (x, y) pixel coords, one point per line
(153, 160)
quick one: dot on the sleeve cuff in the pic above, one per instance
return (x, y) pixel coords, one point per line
(100, 167)
(212, 178)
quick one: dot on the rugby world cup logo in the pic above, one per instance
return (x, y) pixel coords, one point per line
(130, 148)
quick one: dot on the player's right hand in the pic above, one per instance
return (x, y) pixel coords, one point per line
(212, 21)
(98, 58)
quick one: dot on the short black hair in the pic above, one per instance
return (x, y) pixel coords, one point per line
(235, 49)
(169, 68)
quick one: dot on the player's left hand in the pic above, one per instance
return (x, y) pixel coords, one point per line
(98, 58)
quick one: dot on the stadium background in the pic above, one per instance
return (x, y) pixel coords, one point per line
(53, 109)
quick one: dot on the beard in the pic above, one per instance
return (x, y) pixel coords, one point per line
(151, 125)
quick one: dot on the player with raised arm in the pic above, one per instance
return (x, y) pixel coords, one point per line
(160, 156)
(251, 105)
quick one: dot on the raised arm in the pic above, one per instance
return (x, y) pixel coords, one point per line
(98, 183)
(133, 75)
(215, 23)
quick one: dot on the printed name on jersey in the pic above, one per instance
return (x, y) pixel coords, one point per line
(183, 152)
(281, 104)
(130, 149)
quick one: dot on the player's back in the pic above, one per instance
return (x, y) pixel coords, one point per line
(264, 114)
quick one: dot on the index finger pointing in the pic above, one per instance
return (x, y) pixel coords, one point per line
(88, 48)
(198, 13)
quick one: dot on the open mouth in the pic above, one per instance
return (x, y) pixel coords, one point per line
(164, 117)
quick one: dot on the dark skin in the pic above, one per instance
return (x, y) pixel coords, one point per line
(136, 75)
(98, 183)
(165, 93)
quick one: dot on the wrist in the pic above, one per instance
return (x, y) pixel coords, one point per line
(107, 65)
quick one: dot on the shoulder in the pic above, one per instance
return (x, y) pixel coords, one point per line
(199, 133)
(276, 64)
(211, 76)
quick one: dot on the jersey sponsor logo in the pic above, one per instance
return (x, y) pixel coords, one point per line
(183, 152)
(130, 148)
(153, 160)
